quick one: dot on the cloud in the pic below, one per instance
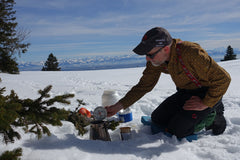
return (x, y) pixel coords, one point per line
(53, 4)
(101, 26)
(64, 46)
(213, 44)
(65, 26)
(123, 24)
(210, 18)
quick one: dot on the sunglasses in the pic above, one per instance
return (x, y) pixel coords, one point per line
(154, 54)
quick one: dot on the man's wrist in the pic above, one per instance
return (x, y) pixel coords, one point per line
(120, 106)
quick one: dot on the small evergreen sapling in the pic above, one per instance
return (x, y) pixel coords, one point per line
(33, 115)
(38, 113)
(229, 54)
(15, 112)
(51, 64)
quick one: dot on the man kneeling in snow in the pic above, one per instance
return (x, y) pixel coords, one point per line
(200, 81)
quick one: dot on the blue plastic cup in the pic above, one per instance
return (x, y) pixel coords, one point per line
(125, 117)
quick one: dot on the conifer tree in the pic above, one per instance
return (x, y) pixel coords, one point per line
(230, 54)
(16, 112)
(37, 113)
(8, 115)
(51, 64)
(8, 64)
(11, 39)
(33, 115)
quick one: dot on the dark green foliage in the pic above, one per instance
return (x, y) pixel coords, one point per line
(12, 155)
(51, 64)
(79, 121)
(27, 112)
(229, 55)
(113, 124)
(8, 64)
(38, 113)
(9, 109)
(33, 115)
(10, 38)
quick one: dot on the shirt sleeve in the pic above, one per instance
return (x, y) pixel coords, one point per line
(210, 74)
(147, 82)
(219, 81)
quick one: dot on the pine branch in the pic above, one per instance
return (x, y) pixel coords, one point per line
(79, 121)
(2, 90)
(9, 135)
(59, 99)
(8, 114)
(12, 155)
(80, 102)
(112, 125)
(37, 113)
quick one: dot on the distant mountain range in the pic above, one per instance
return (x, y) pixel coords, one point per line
(90, 63)
(108, 62)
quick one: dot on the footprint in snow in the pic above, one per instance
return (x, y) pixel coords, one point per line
(235, 121)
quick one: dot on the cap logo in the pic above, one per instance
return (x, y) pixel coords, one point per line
(160, 42)
(157, 40)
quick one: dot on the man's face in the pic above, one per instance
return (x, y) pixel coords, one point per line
(160, 56)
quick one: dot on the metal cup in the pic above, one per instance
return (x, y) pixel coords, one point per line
(125, 133)
(99, 131)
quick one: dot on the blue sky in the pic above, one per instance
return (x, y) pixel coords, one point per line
(76, 28)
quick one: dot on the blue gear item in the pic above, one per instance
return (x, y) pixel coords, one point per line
(146, 120)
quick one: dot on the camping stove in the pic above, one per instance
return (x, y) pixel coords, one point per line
(99, 127)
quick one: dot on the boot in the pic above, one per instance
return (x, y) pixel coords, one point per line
(219, 124)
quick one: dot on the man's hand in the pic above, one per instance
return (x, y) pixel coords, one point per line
(112, 110)
(194, 103)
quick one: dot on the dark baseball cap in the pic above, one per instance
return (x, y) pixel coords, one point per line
(155, 37)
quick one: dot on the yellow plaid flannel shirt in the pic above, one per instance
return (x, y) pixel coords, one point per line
(199, 64)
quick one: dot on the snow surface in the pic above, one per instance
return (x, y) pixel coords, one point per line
(65, 144)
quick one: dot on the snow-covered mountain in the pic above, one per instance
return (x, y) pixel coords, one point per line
(90, 63)
(222, 51)
(108, 62)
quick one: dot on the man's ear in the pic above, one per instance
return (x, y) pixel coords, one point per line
(166, 49)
